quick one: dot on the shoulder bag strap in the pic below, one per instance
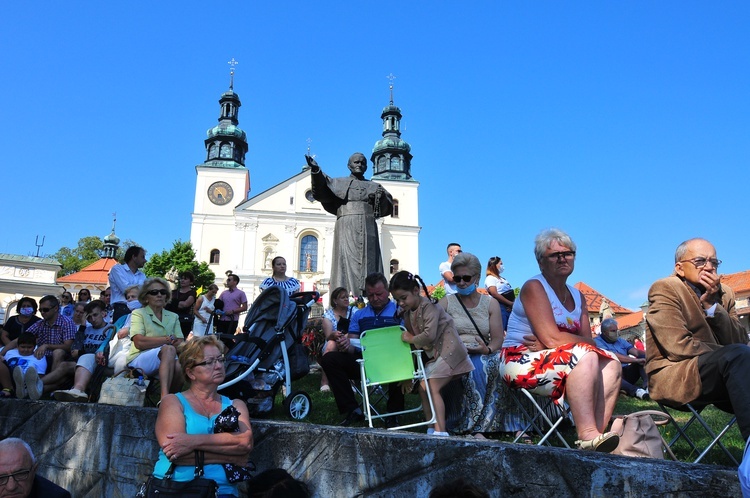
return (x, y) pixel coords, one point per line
(486, 343)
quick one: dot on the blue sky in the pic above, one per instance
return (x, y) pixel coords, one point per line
(624, 123)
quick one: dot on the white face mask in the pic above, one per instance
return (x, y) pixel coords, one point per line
(500, 269)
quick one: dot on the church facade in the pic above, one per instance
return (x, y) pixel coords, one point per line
(242, 233)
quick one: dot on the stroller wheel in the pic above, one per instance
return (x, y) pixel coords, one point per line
(297, 405)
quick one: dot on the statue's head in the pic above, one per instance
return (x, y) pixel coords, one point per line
(358, 164)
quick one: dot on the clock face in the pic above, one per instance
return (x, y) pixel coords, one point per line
(220, 193)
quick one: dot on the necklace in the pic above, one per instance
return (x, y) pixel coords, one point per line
(207, 413)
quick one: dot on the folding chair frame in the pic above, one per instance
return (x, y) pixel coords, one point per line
(695, 416)
(533, 422)
(418, 375)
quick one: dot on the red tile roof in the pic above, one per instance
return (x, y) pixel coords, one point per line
(97, 273)
(739, 282)
(631, 320)
(594, 300)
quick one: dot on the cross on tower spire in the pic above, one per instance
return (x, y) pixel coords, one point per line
(231, 63)
(390, 85)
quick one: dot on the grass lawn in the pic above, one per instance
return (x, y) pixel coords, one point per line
(324, 412)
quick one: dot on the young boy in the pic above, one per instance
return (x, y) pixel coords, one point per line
(22, 360)
(84, 349)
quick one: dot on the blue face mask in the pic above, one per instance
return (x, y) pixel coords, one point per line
(466, 291)
(26, 311)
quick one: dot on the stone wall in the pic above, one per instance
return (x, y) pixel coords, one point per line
(104, 451)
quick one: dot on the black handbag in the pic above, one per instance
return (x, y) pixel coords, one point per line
(199, 487)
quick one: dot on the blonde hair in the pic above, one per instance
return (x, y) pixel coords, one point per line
(191, 352)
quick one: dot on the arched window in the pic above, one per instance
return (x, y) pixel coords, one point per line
(394, 266)
(395, 209)
(226, 151)
(213, 151)
(308, 254)
(215, 256)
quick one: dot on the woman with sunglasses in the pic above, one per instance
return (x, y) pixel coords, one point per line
(155, 334)
(84, 296)
(200, 419)
(66, 304)
(477, 319)
(549, 349)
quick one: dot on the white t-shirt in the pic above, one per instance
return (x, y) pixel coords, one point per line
(499, 283)
(13, 359)
(449, 288)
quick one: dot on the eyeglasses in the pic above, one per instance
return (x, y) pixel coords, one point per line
(557, 256)
(701, 262)
(465, 278)
(45, 310)
(156, 292)
(21, 475)
(211, 361)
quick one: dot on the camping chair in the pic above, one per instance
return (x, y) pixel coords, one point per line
(386, 359)
(536, 415)
(694, 410)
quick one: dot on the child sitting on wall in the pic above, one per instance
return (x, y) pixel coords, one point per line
(24, 364)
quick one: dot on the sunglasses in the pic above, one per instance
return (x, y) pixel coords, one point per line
(45, 310)
(156, 292)
(465, 278)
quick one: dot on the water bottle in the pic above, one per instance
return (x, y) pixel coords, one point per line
(140, 382)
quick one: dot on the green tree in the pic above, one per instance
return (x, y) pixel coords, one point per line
(438, 293)
(72, 260)
(182, 257)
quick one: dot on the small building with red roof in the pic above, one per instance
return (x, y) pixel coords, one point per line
(94, 277)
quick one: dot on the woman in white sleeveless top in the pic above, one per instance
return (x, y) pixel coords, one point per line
(549, 349)
(203, 309)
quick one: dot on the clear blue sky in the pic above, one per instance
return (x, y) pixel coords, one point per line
(624, 123)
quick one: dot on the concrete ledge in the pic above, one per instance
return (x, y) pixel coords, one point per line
(105, 451)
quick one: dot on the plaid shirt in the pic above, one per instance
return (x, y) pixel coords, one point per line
(62, 330)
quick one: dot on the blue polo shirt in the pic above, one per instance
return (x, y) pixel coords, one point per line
(366, 319)
(620, 346)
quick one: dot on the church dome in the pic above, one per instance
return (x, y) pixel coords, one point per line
(391, 143)
(112, 239)
(227, 130)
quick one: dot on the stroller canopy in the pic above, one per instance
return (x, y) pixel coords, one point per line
(273, 305)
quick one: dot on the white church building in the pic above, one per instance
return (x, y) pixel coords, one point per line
(234, 232)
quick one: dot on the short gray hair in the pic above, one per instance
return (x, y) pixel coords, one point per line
(13, 442)
(607, 323)
(469, 261)
(544, 240)
(679, 253)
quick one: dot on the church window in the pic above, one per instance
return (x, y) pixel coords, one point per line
(213, 151)
(394, 266)
(395, 164)
(395, 209)
(308, 254)
(226, 151)
(215, 257)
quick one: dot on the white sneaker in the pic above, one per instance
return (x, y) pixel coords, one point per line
(34, 385)
(642, 394)
(18, 381)
(70, 395)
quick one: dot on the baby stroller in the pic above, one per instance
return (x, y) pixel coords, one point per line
(270, 354)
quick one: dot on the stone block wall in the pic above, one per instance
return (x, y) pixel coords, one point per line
(105, 451)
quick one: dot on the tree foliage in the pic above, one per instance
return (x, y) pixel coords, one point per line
(182, 257)
(89, 250)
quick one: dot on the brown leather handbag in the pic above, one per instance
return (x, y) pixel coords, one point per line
(640, 436)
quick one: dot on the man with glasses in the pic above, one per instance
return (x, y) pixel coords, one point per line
(18, 473)
(696, 349)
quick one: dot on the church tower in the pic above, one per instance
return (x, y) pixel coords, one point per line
(391, 163)
(222, 182)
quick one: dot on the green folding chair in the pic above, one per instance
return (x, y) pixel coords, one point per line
(386, 359)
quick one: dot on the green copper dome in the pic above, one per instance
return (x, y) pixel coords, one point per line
(226, 130)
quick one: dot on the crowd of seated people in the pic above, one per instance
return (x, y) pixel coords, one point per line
(547, 346)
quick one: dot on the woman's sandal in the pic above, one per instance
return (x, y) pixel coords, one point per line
(604, 443)
(6, 393)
